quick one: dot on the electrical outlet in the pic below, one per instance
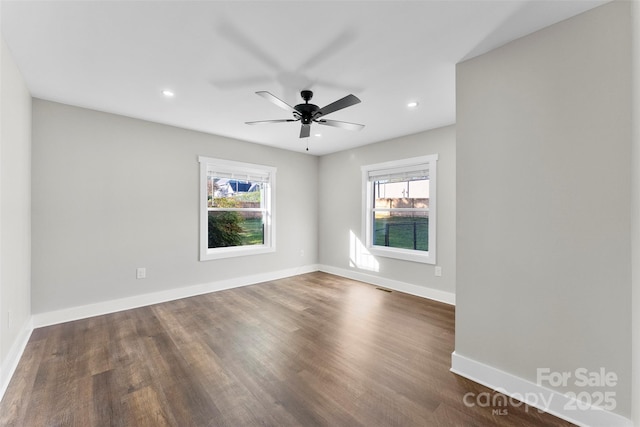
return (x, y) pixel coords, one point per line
(9, 319)
(141, 273)
(301, 252)
(438, 271)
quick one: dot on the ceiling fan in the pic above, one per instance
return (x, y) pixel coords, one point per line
(310, 113)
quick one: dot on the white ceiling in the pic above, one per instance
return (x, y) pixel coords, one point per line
(117, 56)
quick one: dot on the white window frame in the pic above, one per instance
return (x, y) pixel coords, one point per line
(239, 170)
(405, 165)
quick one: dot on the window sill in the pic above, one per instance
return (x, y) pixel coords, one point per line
(403, 254)
(235, 251)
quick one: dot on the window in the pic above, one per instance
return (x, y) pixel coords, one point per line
(236, 208)
(400, 208)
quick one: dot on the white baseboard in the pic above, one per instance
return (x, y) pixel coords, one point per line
(10, 363)
(537, 396)
(408, 288)
(112, 306)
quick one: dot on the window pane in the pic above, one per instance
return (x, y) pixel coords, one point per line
(405, 230)
(233, 228)
(233, 193)
(412, 193)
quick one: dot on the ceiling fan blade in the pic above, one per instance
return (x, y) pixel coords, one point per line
(345, 102)
(343, 125)
(279, 102)
(305, 131)
(262, 122)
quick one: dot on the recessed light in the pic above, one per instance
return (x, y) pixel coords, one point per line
(318, 135)
(168, 93)
(412, 104)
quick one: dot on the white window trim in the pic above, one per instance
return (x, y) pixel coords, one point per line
(270, 230)
(427, 257)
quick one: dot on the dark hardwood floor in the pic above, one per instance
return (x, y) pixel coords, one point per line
(310, 350)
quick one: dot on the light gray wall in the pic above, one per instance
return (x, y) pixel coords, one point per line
(543, 201)
(341, 207)
(112, 193)
(635, 212)
(15, 207)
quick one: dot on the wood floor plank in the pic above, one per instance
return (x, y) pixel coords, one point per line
(15, 405)
(309, 350)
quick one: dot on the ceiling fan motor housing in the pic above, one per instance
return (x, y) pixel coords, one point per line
(306, 110)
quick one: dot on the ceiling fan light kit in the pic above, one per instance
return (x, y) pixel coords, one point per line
(307, 113)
